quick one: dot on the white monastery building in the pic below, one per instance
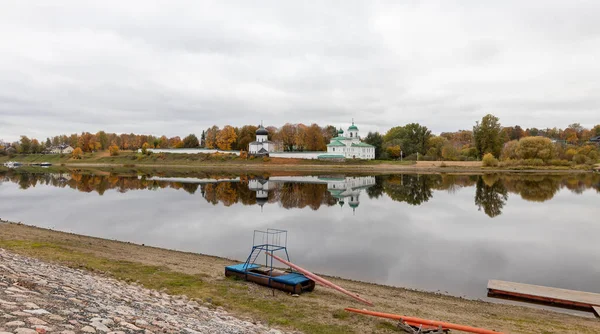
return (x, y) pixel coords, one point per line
(349, 146)
(262, 145)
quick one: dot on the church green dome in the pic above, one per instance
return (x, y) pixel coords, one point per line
(340, 131)
(352, 127)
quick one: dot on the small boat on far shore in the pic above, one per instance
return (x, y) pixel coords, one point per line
(12, 164)
(41, 164)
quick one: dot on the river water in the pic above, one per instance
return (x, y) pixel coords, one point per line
(446, 233)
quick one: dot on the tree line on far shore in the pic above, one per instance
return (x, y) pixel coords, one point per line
(411, 141)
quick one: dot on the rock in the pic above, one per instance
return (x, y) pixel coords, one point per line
(20, 314)
(130, 326)
(16, 323)
(36, 321)
(67, 332)
(68, 326)
(140, 322)
(31, 305)
(40, 328)
(100, 327)
(55, 317)
(25, 331)
(88, 329)
(38, 311)
(6, 302)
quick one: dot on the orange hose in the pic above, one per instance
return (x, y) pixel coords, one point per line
(320, 279)
(409, 320)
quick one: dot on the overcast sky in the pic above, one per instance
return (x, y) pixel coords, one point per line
(177, 67)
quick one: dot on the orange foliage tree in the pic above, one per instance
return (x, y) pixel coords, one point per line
(226, 137)
(77, 153)
(114, 150)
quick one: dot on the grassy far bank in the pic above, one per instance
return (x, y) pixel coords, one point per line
(166, 160)
(201, 277)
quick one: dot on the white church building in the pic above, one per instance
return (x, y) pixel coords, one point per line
(262, 145)
(348, 146)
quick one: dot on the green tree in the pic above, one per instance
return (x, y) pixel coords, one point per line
(25, 145)
(48, 143)
(487, 136)
(102, 138)
(375, 139)
(191, 141)
(435, 146)
(490, 195)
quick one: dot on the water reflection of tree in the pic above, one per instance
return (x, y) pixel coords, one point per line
(412, 189)
(535, 188)
(376, 190)
(490, 194)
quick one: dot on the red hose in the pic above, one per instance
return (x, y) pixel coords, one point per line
(413, 320)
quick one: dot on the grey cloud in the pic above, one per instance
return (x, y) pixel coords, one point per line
(173, 67)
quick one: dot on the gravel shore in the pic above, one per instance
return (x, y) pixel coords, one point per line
(37, 297)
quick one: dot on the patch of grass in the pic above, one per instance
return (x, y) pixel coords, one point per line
(340, 314)
(389, 326)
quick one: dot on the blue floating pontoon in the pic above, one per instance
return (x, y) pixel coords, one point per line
(286, 280)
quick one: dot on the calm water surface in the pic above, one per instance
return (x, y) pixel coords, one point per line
(447, 233)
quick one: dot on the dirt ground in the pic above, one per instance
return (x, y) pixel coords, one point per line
(496, 316)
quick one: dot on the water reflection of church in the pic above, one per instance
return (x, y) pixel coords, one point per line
(343, 189)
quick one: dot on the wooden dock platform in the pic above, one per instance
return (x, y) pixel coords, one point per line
(562, 297)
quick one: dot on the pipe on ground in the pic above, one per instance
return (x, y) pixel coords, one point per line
(445, 325)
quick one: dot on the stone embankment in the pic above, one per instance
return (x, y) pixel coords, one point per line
(38, 297)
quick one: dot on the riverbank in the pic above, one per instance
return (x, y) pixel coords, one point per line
(232, 163)
(201, 279)
(39, 297)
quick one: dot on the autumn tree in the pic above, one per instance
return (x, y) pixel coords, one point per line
(163, 142)
(175, 142)
(394, 151)
(486, 136)
(300, 137)
(114, 150)
(287, 135)
(145, 148)
(35, 146)
(77, 153)
(314, 139)
(246, 136)
(226, 137)
(536, 148)
(211, 137)
(191, 141)
(435, 146)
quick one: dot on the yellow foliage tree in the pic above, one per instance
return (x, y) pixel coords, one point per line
(226, 137)
(114, 150)
(145, 148)
(394, 151)
(77, 153)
